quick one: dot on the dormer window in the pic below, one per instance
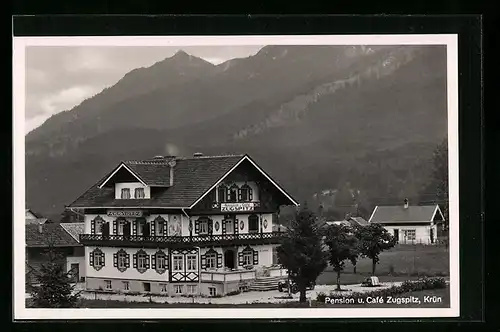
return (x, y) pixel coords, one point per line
(125, 193)
(139, 193)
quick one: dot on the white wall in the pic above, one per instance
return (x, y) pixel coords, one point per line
(109, 271)
(422, 232)
(132, 186)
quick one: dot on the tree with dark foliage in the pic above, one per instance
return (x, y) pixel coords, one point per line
(373, 239)
(301, 252)
(54, 289)
(342, 246)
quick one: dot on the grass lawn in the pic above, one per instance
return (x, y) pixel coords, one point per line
(401, 263)
(442, 294)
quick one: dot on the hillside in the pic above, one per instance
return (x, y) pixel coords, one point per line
(315, 117)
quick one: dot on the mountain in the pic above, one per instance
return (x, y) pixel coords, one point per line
(313, 116)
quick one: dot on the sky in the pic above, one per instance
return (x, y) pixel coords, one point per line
(61, 77)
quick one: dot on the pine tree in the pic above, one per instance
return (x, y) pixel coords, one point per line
(342, 246)
(55, 289)
(301, 252)
(373, 239)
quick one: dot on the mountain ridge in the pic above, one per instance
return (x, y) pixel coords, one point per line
(336, 112)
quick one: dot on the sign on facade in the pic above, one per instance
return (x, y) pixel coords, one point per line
(125, 213)
(236, 207)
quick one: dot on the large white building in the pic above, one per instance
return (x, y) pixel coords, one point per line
(182, 226)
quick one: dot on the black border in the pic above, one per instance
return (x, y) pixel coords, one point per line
(469, 29)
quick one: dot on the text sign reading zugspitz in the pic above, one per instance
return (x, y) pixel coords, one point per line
(125, 213)
(236, 207)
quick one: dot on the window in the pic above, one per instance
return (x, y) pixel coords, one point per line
(146, 286)
(160, 226)
(229, 224)
(108, 284)
(191, 262)
(245, 193)
(222, 192)
(125, 193)
(121, 225)
(140, 223)
(212, 291)
(126, 285)
(253, 223)
(122, 260)
(96, 225)
(178, 263)
(410, 234)
(192, 289)
(247, 258)
(161, 262)
(163, 288)
(203, 227)
(97, 259)
(233, 193)
(211, 261)
(139, 193)
(178, 289)
(142, 261)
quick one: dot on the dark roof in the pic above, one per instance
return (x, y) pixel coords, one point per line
(36, 221)
(52, 234)
(399, 214)
(193, 177)
(74, 229)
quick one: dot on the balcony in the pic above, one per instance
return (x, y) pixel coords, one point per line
(180, 241)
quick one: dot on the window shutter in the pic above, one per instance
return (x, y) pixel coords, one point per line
(147, 261)
(127, 260)
(196, 226)
(210, 226)
(153, 261)
(115, 229)
(91, 258)
(224, 226)
(134, 227)
(250, 194)
(219, 260)
(255, 257)
(103, 259)
(135, 260)
(153, 228)
(236, 226)
(92, 227)
(240, 259)
(240, 195)
(115, 259)
(203, 262)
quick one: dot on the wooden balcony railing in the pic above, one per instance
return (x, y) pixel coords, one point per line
(180, 241)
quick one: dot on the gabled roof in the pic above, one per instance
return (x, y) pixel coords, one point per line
(36, 221)
(74, 229)
(194, 178)
(400, 214)
(37, 215)
(52, 234)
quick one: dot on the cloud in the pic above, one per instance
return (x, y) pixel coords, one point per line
(59, 78)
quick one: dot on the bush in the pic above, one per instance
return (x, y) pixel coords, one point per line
(405, 287)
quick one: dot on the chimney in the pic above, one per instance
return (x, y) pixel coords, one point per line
(40, 228)
(198, 154)
(171, 163)
(406, 203)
